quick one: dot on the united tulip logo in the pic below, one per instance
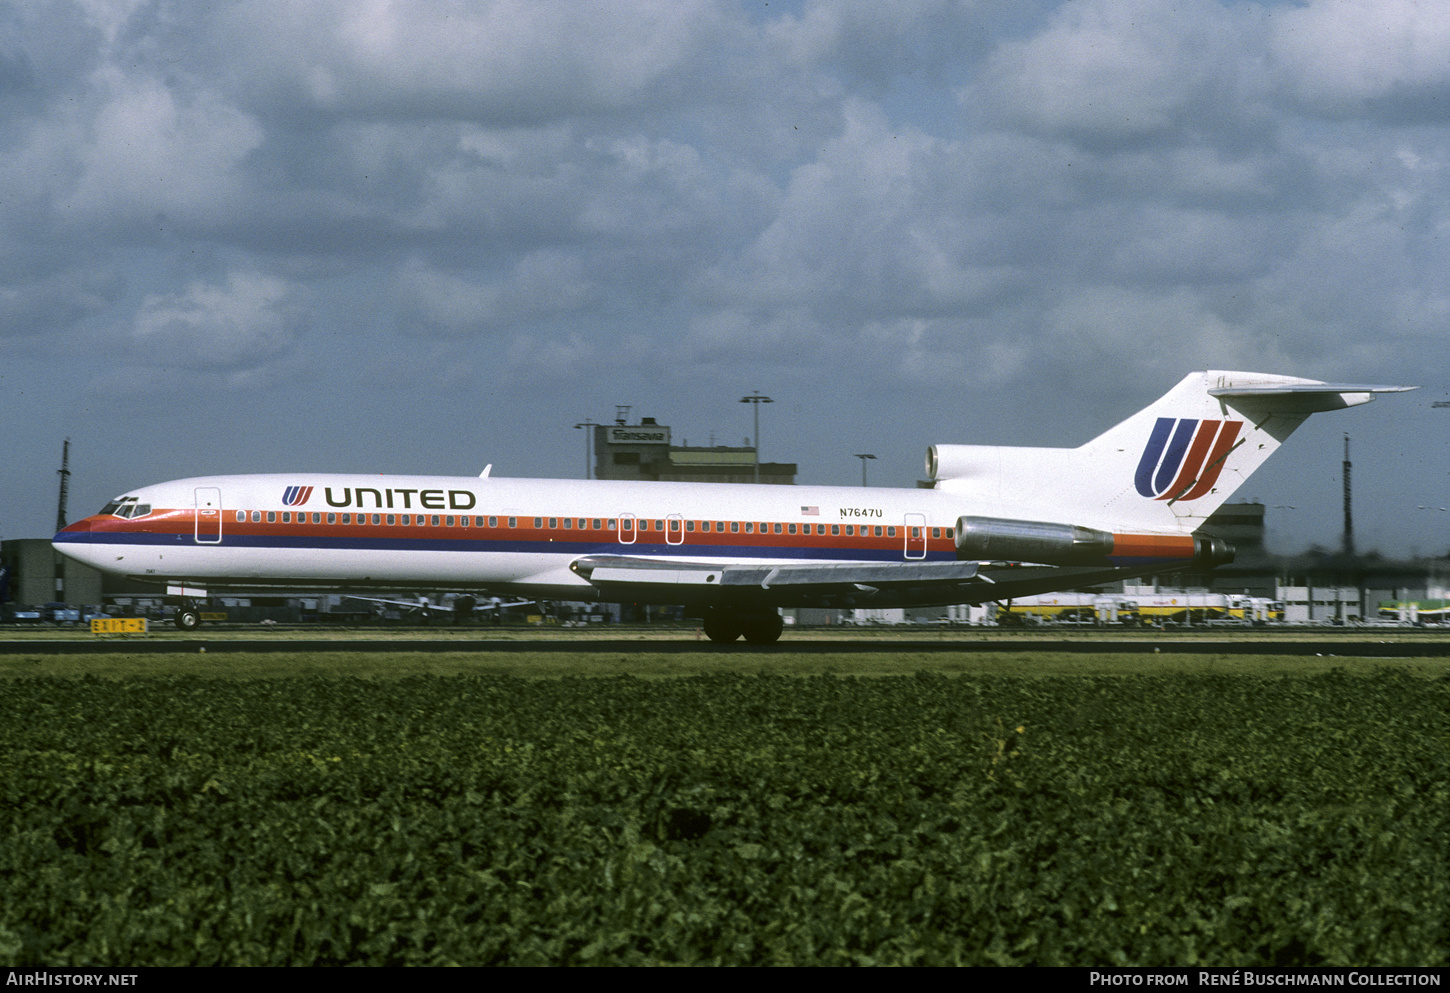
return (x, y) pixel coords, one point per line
(1184, 456)
(296, 496)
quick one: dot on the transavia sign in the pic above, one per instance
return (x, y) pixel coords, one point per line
(639, 435)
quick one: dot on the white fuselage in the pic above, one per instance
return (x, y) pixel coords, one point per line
(489, 534)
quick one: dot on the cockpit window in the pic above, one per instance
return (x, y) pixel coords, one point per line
(123, 507)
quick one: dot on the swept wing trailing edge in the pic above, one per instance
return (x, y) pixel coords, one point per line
(998, 522)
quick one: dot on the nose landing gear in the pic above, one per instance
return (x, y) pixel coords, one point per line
(188, 615)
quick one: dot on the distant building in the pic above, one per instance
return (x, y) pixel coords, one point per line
(645, 451)
(36, 573)
(1241, 524)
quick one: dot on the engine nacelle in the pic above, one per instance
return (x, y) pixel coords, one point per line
(959, 461)
(999, 539)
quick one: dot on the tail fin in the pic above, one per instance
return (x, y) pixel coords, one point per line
(1163, 470)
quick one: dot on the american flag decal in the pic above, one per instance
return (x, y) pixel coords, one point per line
(811, 511)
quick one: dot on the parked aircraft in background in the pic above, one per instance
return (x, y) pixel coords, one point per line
(423, 609)
(999, 522)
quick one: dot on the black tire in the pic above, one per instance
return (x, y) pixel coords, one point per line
(763, 629)
(721, 627)
(187, 619)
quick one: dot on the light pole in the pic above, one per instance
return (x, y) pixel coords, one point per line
(588, 427)
(864, 457)
(755, 400)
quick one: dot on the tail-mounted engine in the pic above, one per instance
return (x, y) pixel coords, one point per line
(997, 539)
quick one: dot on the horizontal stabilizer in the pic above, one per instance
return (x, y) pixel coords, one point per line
(1304, 397)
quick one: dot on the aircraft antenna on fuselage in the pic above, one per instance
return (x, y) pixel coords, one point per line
(486, 470)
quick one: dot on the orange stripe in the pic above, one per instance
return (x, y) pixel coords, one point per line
(1153, 546)
(1193, 461)
(1216, 459)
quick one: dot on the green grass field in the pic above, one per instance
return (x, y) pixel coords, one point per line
(727, 806)
(1012, 660)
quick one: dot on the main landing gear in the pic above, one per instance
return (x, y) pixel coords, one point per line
(757, 627)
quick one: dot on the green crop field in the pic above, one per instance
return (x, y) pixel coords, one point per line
(756, 808)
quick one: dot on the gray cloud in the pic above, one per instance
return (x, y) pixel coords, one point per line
(939, 221)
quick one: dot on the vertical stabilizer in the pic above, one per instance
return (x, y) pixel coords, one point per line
(1163, 470)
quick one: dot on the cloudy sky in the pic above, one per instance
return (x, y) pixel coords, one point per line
(263, 235)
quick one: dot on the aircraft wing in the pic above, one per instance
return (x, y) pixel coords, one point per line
(774, 584)
(845, 584)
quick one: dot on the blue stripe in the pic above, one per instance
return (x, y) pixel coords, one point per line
(1173, 460)
(1144, 478)
(643, 549)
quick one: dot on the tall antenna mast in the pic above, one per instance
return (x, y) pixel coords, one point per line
(1348, 542)
(64, 474)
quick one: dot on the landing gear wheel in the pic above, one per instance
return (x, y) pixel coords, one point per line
(721, 627)
(762, 629)
(187, 618)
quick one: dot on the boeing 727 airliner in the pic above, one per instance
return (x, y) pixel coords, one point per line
(998, 522)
